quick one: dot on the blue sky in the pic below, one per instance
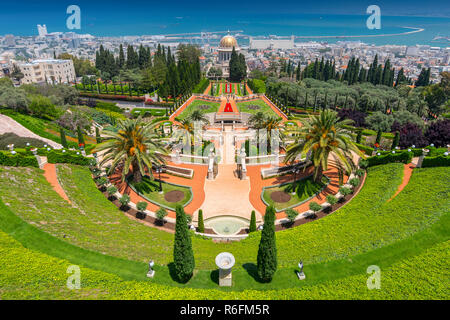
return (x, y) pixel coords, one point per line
(157, 16)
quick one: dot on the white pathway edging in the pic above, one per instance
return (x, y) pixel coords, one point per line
(8, 125)
(235, 237)
(132, 205)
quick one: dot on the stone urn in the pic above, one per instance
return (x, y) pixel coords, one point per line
(225, 261)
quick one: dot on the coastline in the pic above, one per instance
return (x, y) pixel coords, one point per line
(366, 36)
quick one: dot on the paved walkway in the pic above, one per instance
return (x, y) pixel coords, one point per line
(407, 172)
(227, 195)
(180, 110)
(275, 109)
(52, 177)
(8, 125)
(208, 89)
(249, 91)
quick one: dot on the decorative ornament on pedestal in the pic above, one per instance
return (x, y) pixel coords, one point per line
(151, 272)
(225, 261)
(301, 275)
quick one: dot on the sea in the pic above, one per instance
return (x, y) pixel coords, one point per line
(436, 30)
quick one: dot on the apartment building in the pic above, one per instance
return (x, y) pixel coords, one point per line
(48, 70)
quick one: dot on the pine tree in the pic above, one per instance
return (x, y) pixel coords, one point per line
(63, 138)
(252, 227)
(201, 224)
(267, 252)
(183, 256)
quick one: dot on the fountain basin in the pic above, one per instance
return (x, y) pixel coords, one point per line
(226, 225)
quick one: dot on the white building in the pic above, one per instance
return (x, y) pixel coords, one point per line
(49, 70)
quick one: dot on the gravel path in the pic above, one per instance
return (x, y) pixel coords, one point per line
(9, 125)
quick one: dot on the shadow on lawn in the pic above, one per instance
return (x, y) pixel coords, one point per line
(174, 276)
(252, 271)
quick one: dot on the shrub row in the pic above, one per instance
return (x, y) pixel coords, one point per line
(439, 161)
(367, 150)
(402, 156)
(18, 160)
(57, 156)
(112, 97)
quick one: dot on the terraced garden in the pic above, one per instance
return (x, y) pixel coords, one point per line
(204, 106)
(403, 237)
(255, 106)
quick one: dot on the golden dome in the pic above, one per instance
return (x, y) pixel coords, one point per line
(228, 42)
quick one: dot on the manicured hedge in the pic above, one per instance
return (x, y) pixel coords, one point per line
(403, 156)
(367, 150)
(18, 160)
(57, 156)
(112, 96)
(439, 161)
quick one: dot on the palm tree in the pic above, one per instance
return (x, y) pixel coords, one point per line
(136, 145)
(197, 115)
(273, 125)
(323, 136)
(257, 120)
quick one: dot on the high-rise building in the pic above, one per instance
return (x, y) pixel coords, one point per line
(42, 30)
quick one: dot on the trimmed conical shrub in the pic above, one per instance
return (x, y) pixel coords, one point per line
(97, 135)
(183, 256)
(252, 227)
(378, 139)
(201, 224)
(267, 252)
(396, 140)
(80, 136)
(63, 138)
(359, 136)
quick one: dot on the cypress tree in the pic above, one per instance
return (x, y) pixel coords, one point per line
(359, 136)
(63, 138)
(183, 256)
(201, 225)
(378, 139)
(252, 227)
(97, 135)
(80, 136)
(396, 140)
(121, 60)
(267, 252)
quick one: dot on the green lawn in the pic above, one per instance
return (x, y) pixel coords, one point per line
(399, 236)
(213, 107)
(28, 274)
(149, 189)
(263, 107)
(304, 190)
